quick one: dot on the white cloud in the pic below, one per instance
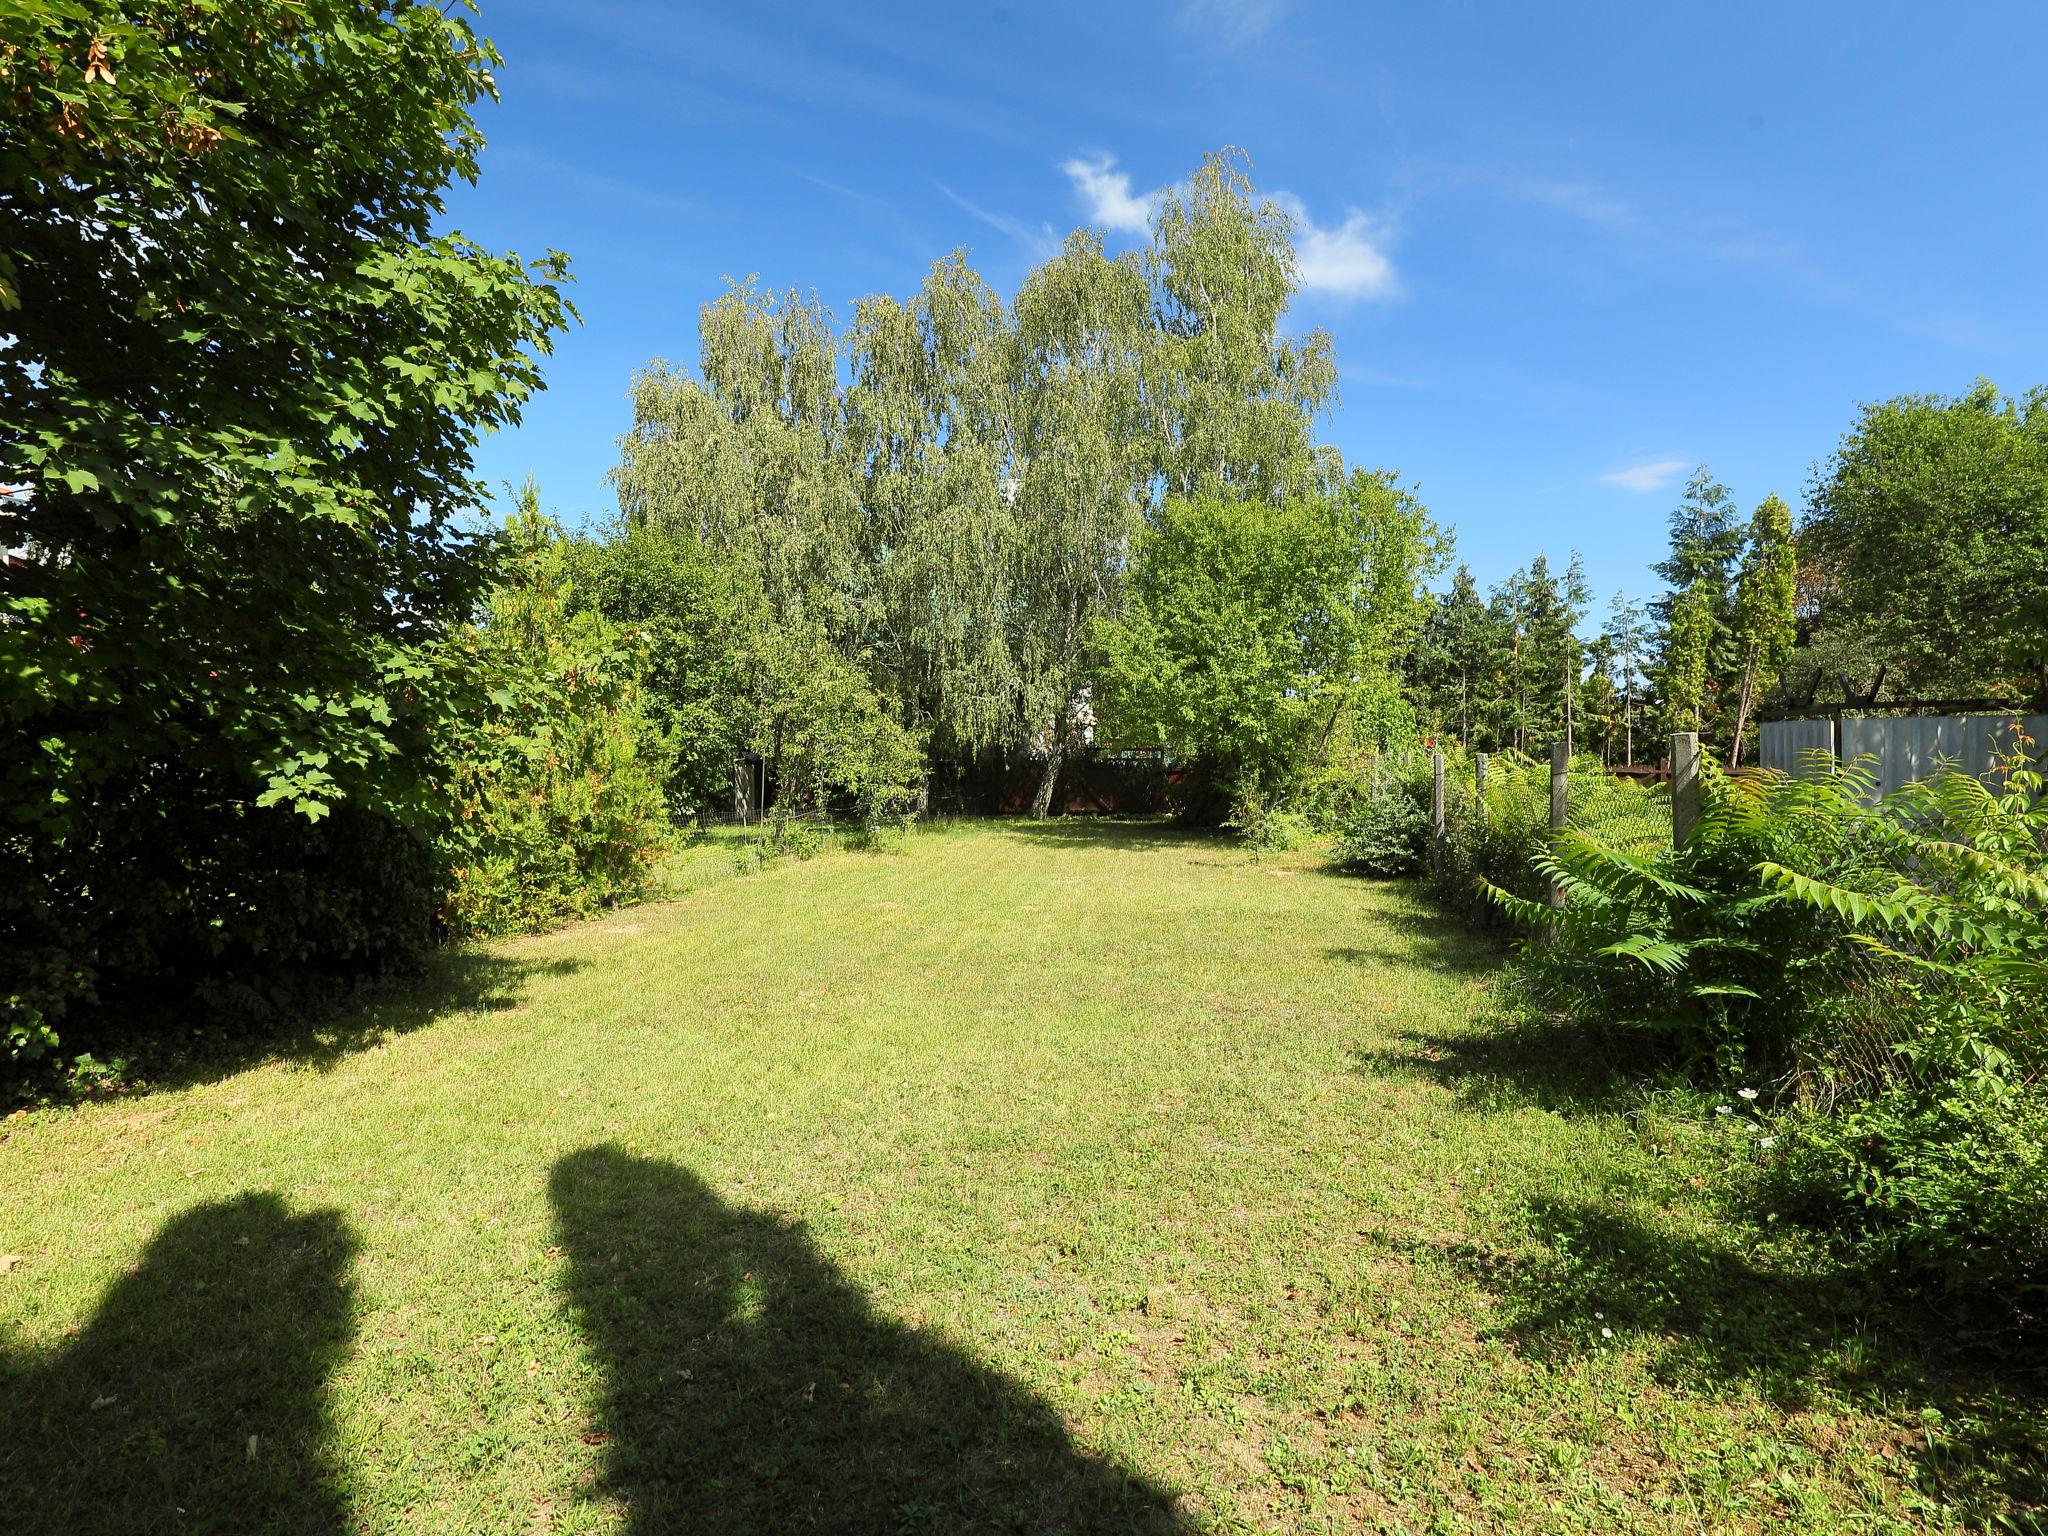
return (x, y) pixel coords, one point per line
(1107, 192)
(1230, 23)
(1347, 259)
(1651, 476)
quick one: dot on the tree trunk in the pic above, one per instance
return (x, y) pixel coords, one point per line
(1048, 781)
(1743, 700)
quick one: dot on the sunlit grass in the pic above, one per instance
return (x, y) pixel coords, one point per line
(1025, 1178)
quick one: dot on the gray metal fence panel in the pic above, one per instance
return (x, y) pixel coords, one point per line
(1909, 748)
(1784, 744)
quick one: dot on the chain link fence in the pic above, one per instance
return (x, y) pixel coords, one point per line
(1497, 818)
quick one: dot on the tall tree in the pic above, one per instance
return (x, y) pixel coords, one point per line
(1627, 642)
(1763, 621)
(1453, 660)
(1683, 674)
(1926, 536)
(1231, 402)
(243, 381)
(1536, 615)
(930, 438)
(1082, 475)
(1707, 535)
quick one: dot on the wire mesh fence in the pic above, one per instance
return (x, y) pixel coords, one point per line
(1497, 820)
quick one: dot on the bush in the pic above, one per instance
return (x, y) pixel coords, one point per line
(1268, 830)
(1886, 960)
(557, 778)
(1386, 831)
(182, 913)
(1952, 1183)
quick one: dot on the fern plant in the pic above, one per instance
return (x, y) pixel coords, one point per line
(1689, 940)
(1888, 957)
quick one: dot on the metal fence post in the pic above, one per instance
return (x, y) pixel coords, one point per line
(1436, 810)
(1685, 785)
(1560, 791)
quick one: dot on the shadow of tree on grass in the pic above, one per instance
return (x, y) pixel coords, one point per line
(1785, 1322)
(751, 1387)
(1561, 1066)
(195, 1398)
(460, 980)
(1119, 834)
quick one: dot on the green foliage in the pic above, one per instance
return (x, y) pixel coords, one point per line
(1924, 544)
(557, 776)
(1386, 830)
(1249, 628)
(1764, 621)
(243, 379)
(686, 607)
(1505, 670)
(947, 494)
(1887, 961)
(1685, 674)
(227, 576)
(1230, 399)
(829, 734)
(1951, 1183)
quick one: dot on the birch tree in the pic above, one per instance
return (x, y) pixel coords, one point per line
(1082, 476)
(1231, 402)
(929, 443)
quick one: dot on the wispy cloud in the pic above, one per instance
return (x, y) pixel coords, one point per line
(1106, 192)
(1651, 476)
(1347, 259)
(1665, 233)
(1229, 23)
(1040, 242)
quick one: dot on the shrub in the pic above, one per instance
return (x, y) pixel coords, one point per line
(1386, 831)
(557, 777)
(182, 913)
(1951, 1182)
(1267, 830)
(1887, 959)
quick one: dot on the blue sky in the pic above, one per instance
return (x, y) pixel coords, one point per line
(1566, 252)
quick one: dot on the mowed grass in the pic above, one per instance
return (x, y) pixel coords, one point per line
(1079, 1177)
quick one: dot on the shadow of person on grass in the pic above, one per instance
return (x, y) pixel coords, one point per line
(751, 1387)
(195, 1398)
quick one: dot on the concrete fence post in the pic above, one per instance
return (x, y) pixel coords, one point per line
(1560, 800)
(1685, 785)
(1436, 810)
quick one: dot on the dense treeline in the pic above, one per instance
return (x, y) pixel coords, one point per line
(1913, 575)
(926, 522)
(282, 711)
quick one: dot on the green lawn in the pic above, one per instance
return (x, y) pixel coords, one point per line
(1032, 1178)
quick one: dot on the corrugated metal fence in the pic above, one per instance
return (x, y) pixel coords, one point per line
(1905, 748)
